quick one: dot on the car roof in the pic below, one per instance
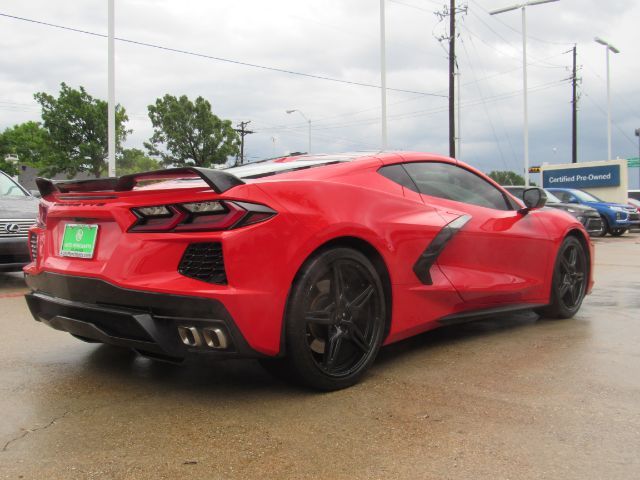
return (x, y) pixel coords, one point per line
(306, 163)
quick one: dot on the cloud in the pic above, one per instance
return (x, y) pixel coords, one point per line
(341, 39)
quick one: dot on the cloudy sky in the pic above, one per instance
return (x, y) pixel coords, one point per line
(339, 39)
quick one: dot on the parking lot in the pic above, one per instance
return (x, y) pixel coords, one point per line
(509, 397)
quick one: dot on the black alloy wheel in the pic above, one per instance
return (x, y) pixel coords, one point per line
(603, 228)
(570, 277)
(335, 320)
(606, 228)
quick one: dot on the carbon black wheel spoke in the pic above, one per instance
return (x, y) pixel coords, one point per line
(573, 258)
(574, 291)
(332, 349)
(337, 284)
(361, 300)
(564, 288)
(358, 338)
(566, 265)
(321, 317)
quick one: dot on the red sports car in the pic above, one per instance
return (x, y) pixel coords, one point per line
(308, 263)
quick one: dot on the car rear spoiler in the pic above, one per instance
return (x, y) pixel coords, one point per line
(219, 181)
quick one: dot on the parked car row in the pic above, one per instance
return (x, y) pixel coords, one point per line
(18, 211)
(616, 217)
(598, 216)
(588, 216)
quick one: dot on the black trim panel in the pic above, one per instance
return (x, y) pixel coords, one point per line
(218, 180)
(424, 263)
(144, 321)
(472, 315)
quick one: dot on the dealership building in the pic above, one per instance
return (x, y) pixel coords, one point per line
(608, 180)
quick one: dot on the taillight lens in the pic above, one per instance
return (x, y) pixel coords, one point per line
(199, 216)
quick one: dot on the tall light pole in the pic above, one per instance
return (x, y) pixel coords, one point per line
(522, 7)
(638, 135)
(111, 92)
(309, 122)
(609, 47)
(383, 74)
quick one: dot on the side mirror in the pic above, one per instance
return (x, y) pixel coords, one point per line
(533, 198)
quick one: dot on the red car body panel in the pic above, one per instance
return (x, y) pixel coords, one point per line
(499, 258)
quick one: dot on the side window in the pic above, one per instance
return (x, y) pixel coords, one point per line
(451, 182)
(564, 196)
(396, 173)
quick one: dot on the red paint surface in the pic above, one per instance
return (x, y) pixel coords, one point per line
(498, 258)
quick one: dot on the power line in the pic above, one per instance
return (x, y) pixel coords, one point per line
(519, 31)
(242, 130)
(484, 105)
(219, 59)
(471, 103)
(410, 5)
(604, 112)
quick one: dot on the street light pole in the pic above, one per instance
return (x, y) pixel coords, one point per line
(383, 73)
(308, 122)
(638, 135)
(609, 47)
(111, 92)
(522, 7)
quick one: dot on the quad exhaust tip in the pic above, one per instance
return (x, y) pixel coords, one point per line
(211, 337)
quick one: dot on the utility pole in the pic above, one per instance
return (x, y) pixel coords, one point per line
(111, 91)
(454, 73)
(459, 125)
(452, 78)
(574, 117)
(383, 76)
(243, 133)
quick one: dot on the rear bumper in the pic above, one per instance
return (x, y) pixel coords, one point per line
(14, 254)
(147, 322)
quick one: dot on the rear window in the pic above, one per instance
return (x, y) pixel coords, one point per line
(283, 165)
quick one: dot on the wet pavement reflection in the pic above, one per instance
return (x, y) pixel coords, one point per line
(510, 397)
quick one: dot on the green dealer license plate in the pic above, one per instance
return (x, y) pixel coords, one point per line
(79, 240)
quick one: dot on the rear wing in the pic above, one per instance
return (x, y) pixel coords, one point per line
(219, 181)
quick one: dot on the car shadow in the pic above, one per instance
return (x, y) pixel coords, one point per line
(11, 281)
(248, 377)
(452, 334)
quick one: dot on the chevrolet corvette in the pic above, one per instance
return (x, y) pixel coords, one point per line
(309, 263)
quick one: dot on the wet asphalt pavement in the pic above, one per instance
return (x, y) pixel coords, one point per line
(508, 398)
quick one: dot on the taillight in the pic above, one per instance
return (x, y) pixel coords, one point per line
(199, 216)
(33, 246)
(42, 215)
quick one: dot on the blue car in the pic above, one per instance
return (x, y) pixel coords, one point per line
(616, 217)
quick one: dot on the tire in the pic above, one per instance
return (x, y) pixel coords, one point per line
(334, 323)
(617, 232)
(605, 226)
(603, 231)
(570, 277)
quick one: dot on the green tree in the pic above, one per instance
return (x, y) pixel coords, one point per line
(506, 177)
(188, 133)
(133, 160)
(30, 142)
(77, 124)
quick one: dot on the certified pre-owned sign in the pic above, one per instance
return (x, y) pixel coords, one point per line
(601, 176)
